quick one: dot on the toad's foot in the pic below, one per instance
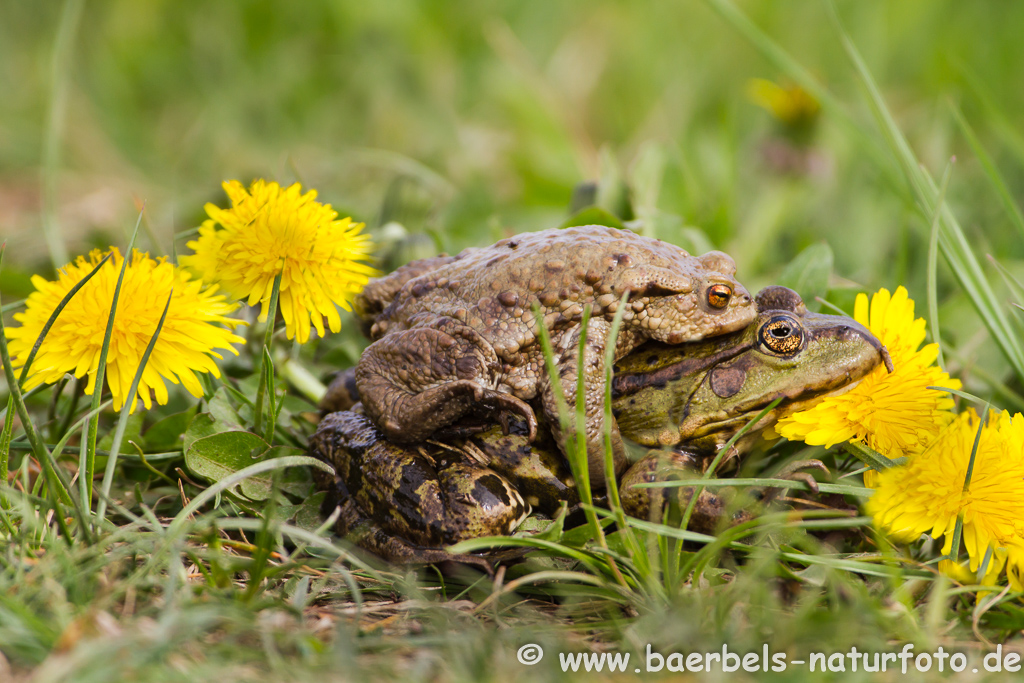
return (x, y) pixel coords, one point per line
(414, 382)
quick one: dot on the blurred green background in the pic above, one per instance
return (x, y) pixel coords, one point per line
(466, 120)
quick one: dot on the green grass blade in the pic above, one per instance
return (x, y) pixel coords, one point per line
(633, 547)
(974, 450)
(958, 530)
(265, 368)
(933, 252)
(854, 566)
(566, 420)
(7, 308)
(60, 68)
(231, 480)
(952, 241)
(87, 453)
(473, 545)
(795, 484)
(991, 172)
(1013, 284)
(5, 445)
(962, 394)
(581, 464)
(126, 409)
(1001, 124)
(308, 538)
(871, 457)
(53, 317)
(268, 381)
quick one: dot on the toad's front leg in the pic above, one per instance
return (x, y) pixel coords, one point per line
(416, 381)
(592, 370)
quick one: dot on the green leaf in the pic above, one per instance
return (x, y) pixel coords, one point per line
(612, 193)
(221, 455)
(593, 215)
(555, 527)
(133, 431)
(693, 240)
(645, 177)
(233, 479)
(217, 421)
(202, 425)
(808, 274)
(296, 480)
(223, 410)
(305, 515)
(166, 434)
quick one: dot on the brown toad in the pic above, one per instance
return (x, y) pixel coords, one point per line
(457, 334)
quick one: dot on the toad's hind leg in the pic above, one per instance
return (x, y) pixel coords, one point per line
(593, 372)
(416, 381)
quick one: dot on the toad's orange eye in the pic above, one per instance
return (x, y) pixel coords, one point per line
(719, 295)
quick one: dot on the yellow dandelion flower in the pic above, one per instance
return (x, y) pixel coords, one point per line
(893, 413)
(270, 230)
(790, 104)
(926, 495)
(1015, 564)
(191, 331)
(961, 572)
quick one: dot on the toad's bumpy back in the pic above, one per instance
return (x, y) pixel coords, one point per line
(458, 335)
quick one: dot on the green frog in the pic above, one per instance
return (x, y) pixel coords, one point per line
(406, 502)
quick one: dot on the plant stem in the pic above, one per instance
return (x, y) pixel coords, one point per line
(268, 339)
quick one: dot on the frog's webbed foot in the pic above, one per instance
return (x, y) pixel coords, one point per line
(795, 471)
(710, 510)
(414, 382)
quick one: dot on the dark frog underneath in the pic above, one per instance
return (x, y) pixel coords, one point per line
(406, 502)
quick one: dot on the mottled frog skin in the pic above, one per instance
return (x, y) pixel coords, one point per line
(406, 502)
(457, 335)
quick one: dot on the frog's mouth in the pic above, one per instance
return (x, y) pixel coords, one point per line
(724, 429)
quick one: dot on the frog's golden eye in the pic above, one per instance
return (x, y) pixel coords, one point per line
(782, 335)
(719, 295)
